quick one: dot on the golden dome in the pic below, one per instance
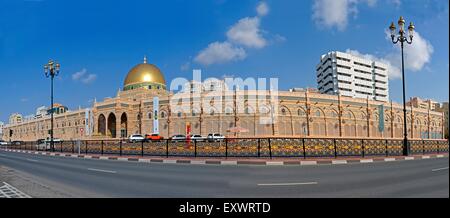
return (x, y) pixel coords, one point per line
(144, 74)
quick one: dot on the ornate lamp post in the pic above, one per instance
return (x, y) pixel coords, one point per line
(402, 38)
(51, 70)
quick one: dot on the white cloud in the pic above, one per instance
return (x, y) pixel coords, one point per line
(262, 9)
(220, 52)
(247, 33)
(78, 75)
(417, 55)
(84, 77)
(335, 13)
(89, 79)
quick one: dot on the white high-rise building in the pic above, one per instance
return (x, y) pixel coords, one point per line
(349, 75)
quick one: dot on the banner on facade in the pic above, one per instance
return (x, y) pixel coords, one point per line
(155, 115)
(381, 118)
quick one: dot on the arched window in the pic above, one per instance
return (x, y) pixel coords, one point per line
(264, 110)
(150, 115)
(228, 111)
(179, 114)
(317, 113)
(301, 113)
(163, 114)
(333, 114)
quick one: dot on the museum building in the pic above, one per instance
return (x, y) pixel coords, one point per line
(144, 101)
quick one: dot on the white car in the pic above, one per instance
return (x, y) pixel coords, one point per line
(178, 138)
(214, 137)
(3, 143)
(45, 144)
(197, 138)
(136, 138)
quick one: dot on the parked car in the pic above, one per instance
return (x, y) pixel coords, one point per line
(214, 137)
(178, 138)
(197, 138)
(153, 137)
(42, 144)
(136, 138)
(45, 144)
(17, 142)
(3, 143)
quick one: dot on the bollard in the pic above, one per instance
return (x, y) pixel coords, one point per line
(335, 149)
(387, 151)
(259, 147)
(102, 147)
(86, 147)
(270, 149)
(226, 148)
(195, 148)
(362, 146)
(304, 149)
(142, 148)
(167, 148)
(120, 148)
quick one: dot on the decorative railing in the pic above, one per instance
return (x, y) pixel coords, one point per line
(244, 147)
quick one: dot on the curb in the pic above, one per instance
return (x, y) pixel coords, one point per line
(238, 162)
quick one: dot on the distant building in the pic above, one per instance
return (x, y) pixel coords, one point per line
(29, 118)
(41, 112)
(416, 102)
(15, 118)
(352, 76)
(58, 109)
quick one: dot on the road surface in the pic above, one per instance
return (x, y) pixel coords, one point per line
(104, 178)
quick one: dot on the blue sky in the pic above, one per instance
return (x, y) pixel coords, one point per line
(98, 42)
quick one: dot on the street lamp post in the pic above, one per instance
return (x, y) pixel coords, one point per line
(51, 70)
(402, 38)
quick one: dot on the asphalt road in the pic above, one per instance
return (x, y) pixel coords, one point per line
(103, 178)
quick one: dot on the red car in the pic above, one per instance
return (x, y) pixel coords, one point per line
(154, 137)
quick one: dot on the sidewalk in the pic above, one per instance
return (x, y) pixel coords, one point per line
(276, 161)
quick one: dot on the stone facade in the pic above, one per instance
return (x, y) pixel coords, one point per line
(260, 113)
(300, 114)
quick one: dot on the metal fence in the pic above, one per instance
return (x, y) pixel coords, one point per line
(248, 147)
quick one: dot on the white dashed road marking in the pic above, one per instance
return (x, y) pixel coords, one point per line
(32, 160)
(289, 184)
(439, 169)
(103, 171)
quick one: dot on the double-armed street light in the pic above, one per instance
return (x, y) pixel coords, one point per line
(401, 38)
(51, 70)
